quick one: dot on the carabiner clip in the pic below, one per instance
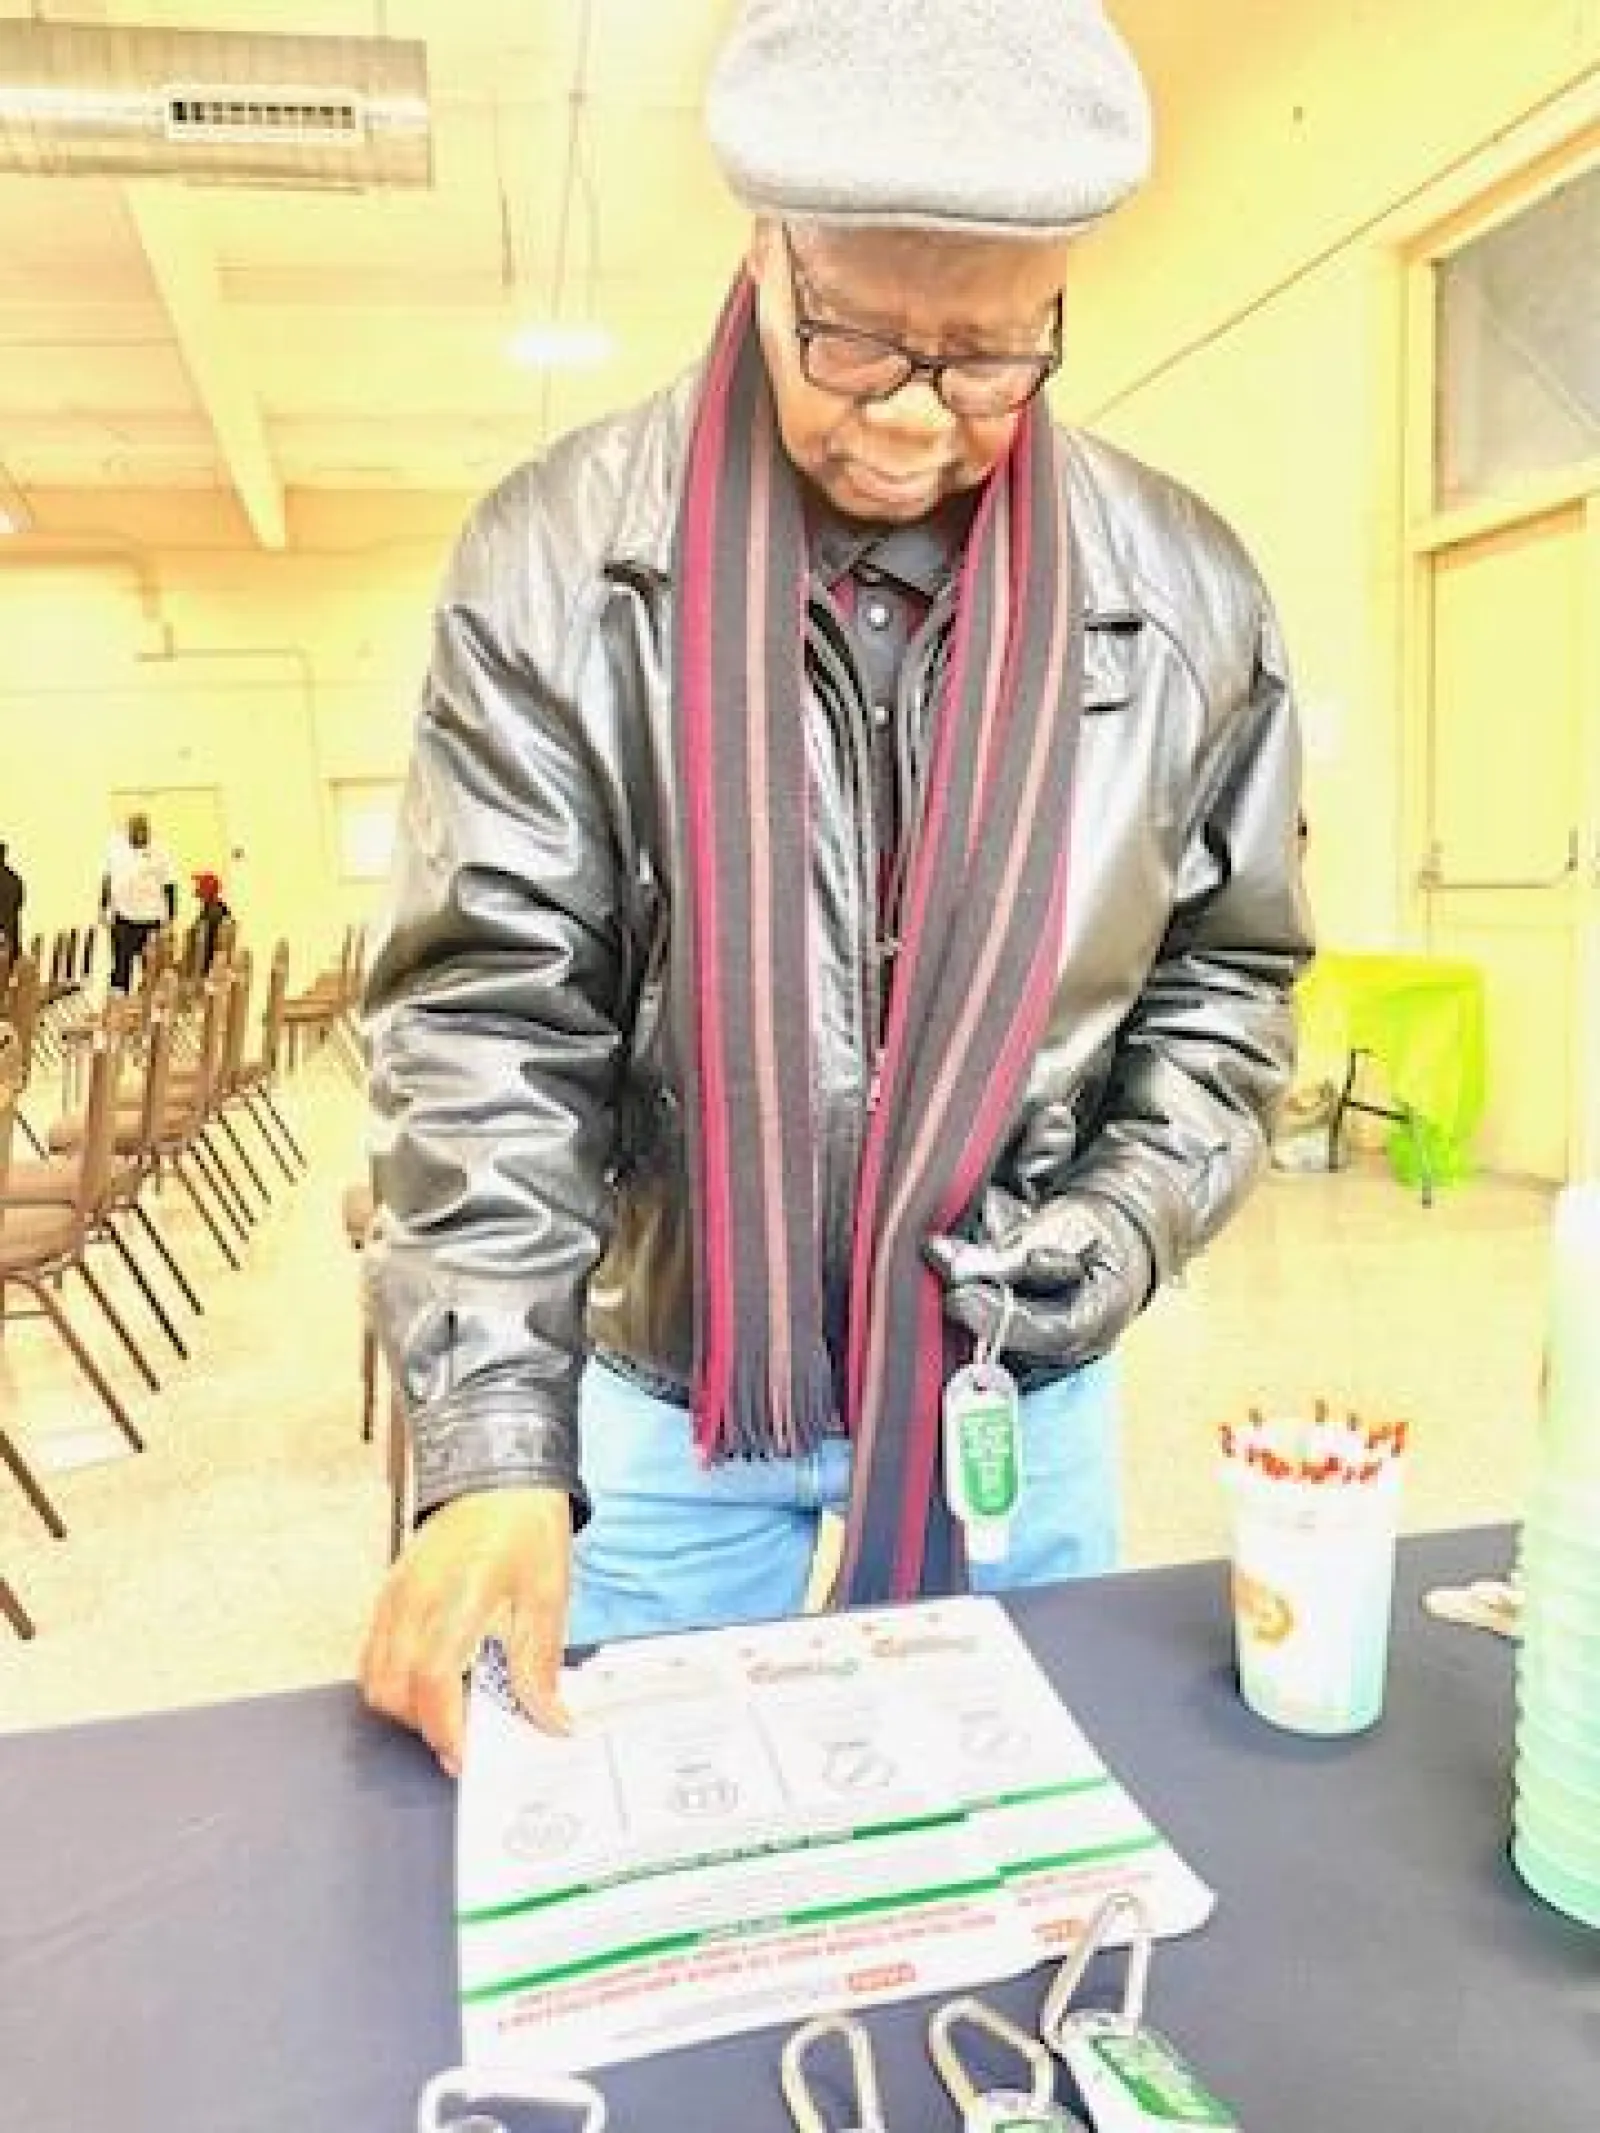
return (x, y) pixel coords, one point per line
(797, 2094)
(476, 2096)
(990, 1348)
(983, 2110)
(1056, 2013)
(1129, 2078)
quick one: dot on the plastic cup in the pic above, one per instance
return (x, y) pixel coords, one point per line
(1313, 1577)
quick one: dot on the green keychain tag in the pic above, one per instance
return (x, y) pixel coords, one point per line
(1129, 2078)
(983, 1456)
(1132, 2081)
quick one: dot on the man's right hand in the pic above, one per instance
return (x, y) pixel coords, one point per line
(498, 1561)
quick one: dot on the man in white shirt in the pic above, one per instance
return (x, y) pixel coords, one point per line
(138, 896)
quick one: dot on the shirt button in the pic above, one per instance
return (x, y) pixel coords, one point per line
(875, 614)
(880, 714)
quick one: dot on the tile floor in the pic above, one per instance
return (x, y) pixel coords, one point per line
(240, 1552)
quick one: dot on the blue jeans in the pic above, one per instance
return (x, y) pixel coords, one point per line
(674, 1544)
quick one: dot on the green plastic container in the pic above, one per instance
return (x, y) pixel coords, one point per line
(1573, 1846)
(1561, 1665)
(1557, 1746)
(1553, 1564)
(1575, 1894)
(1574, 1804)
(1561, 1509)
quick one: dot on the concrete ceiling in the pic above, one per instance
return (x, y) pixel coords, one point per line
(162, 334)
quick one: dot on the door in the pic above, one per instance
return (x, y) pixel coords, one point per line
(1509, 880)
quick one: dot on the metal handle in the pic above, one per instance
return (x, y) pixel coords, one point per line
(974, 2014)
(1057, 2010)
(867, 2116)
(464, 2089)
(1431, 875)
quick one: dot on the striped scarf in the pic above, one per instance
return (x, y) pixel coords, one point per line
(984, 893)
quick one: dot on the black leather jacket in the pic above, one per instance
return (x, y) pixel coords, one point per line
(528, 1141)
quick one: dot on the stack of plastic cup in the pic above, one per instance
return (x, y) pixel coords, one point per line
(1556, 1841)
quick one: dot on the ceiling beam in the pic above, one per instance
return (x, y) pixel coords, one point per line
(209, 342)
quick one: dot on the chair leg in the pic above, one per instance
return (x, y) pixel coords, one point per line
(347, 1048)
(282, 1125)
(118, 1325)
(15, 1613)
(399, 1475)
(219, 1156)
(219, 1192)
(270, 1139)
(157, 1308)
(28, 1482)
(218, 1235)
(85, 1361)
(369, 1377)
(243, 1153)
(30, 1136)
(1342, 1104)
(168, 1256)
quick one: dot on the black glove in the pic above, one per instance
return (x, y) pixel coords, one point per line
(1078, 1269)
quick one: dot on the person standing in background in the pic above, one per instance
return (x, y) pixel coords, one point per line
(12, 898)
(208, 923)
(138, 896)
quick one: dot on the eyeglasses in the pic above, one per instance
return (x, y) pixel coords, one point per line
(869, 366)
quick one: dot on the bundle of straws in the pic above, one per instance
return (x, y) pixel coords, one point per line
(1320, 1450)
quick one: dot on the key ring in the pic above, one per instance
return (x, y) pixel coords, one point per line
(1057, 2010)
(989, 2110)
(479, 2093)
(1129, 2078)
(863, 2069)
(988, 1349)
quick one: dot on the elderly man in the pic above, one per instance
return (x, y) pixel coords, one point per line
(847, 904)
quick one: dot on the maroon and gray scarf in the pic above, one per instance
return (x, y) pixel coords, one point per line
(984, 896)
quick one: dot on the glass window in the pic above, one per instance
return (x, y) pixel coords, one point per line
(1519, 347)
(365, 811)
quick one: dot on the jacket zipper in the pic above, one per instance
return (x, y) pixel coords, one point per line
(843, 1174)
(911, 710)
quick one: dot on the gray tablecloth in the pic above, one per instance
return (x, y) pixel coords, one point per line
(236, 1920)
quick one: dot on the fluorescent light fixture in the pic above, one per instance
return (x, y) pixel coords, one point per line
(555, 345)
(15, 516)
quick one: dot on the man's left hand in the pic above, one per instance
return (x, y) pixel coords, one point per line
(1079, 1272)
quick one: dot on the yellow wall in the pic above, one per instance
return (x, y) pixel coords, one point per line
(1240, 325)
(155, 645)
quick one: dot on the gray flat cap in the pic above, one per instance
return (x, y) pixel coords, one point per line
(1021, 118)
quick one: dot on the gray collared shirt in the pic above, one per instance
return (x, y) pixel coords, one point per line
(882, 582)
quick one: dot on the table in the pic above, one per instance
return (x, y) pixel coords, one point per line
(1422, 1019)
(233, 1920)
